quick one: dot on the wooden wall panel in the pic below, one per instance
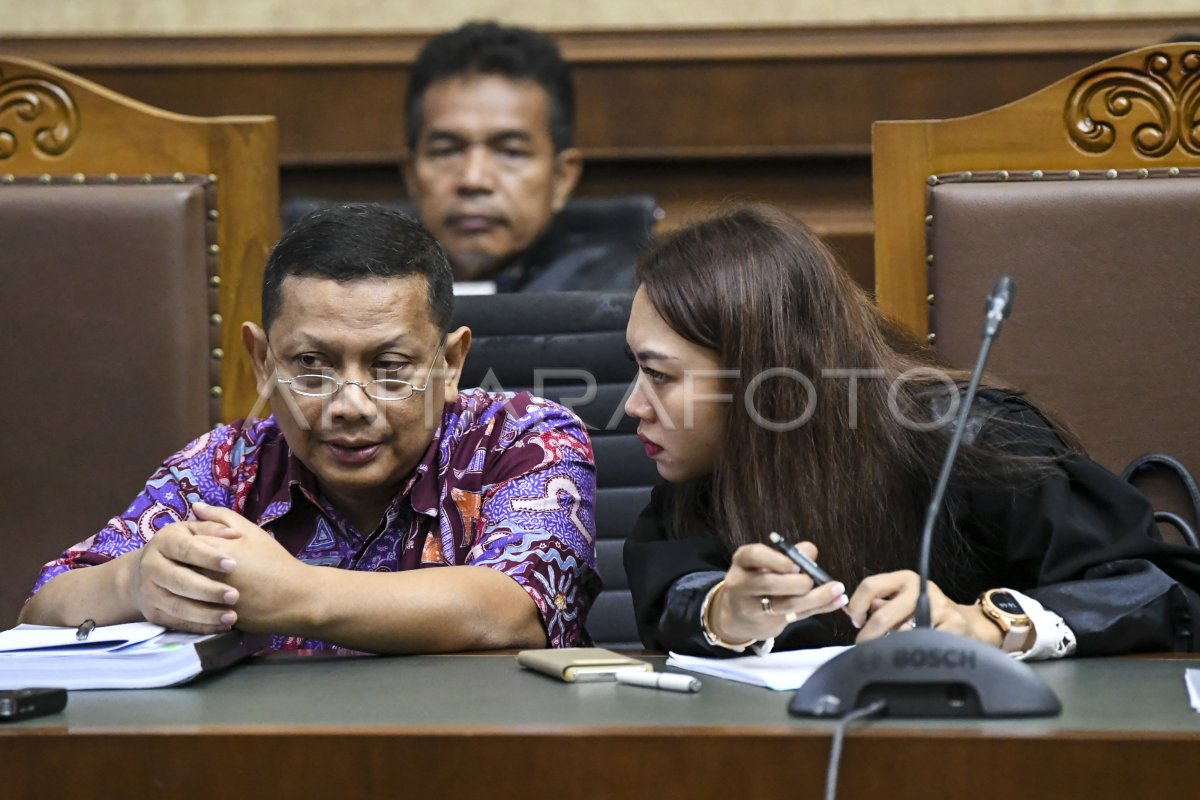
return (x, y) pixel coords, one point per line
(693, 117)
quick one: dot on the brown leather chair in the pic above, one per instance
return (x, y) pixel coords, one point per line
(132, 242)
(1088, 194)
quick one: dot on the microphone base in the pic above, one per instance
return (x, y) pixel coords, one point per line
(926, 673)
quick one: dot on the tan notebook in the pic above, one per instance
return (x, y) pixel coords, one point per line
(579, 664)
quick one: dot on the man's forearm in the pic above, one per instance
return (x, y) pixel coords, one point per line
(433, 610)
(100, 593)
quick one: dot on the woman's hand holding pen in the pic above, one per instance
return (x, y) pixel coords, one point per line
(886, 602)
(764, 592)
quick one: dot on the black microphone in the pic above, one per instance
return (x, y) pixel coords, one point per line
(925, 672)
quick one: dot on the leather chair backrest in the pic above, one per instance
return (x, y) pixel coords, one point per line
(107, 319)
(1104, 325)
(563, 346)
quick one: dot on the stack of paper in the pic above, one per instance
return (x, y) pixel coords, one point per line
(779, 671)
(135, 655)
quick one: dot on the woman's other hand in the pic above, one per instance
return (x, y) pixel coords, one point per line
(887, 602)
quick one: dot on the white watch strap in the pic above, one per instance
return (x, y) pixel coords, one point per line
(1014, 639)
(1053, 637)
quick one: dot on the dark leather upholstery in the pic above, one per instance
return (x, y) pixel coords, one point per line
(106, 317)
(629, 218)
(1104, 328)
(546, 343)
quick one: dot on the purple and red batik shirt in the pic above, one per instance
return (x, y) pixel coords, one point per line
(508, 483)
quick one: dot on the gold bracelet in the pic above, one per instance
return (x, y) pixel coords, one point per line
(709, 635)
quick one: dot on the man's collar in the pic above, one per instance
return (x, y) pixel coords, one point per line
(421, 491)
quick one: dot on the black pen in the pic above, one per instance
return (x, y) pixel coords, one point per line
(85, 630)
(802, 561)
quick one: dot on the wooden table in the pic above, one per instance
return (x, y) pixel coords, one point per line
(478, 726)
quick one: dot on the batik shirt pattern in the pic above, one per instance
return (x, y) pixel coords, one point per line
(508, 482)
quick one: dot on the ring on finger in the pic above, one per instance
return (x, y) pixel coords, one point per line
(767, 608)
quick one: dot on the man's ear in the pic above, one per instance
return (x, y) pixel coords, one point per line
(254, 339)
(568, 167)
(458, 343)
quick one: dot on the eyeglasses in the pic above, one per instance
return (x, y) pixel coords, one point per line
(313, 385)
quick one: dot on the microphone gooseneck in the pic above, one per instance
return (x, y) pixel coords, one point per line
(998, 307)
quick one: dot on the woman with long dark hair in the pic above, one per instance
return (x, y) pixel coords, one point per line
(773, 396)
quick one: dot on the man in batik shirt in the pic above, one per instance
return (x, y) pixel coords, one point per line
(379, 508)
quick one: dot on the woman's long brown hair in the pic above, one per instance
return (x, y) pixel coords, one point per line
(764, 293)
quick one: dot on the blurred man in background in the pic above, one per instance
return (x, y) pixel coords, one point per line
(491, 162)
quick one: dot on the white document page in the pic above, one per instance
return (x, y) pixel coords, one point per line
(1192, 678)
(779, 671)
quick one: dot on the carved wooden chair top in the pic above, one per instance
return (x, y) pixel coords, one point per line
(1087, 193)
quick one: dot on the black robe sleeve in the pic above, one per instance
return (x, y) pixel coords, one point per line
(1084, 544)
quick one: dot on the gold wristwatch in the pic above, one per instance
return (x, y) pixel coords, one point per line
(1002, 608)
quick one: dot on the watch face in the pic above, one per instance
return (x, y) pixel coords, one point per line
(1006, 603)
